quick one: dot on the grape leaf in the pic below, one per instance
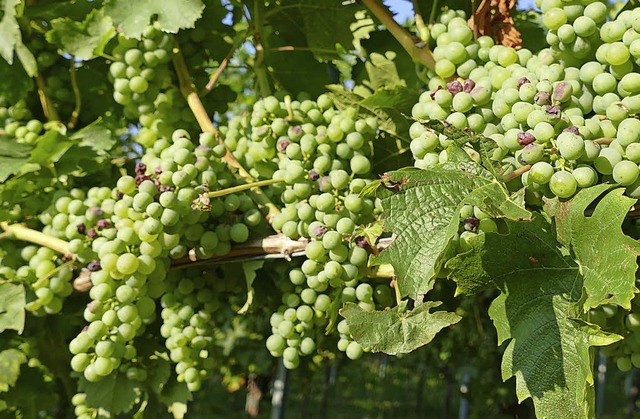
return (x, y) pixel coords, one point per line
(382, 71)
(96, 136)
(10, 361)
(395, 330)
(12, 301)
(605, 254)
(50, 148)
(82, 39)
(20, 84)
(176, 395)
(424, 213)
(134, 16)
(250, 268)
(114, 393)
(10, 166)
(10, 34)
(538, 312)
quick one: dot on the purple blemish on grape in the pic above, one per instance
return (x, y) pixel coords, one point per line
(471, 223)
(164, 188)
(282, 144)
(523, 80)
(319, 231)
(324, 184)
(97, 211)
(119, 195)
(104, 223)
(434, 91)
(158, 170)
(140, 168)
(542, 98)
(468, 85)
(94, 306)
(92, 233)
(141, 178)
(552, 111)
(94, 266)
(81, 228)
(562, 92)
(454, 87)
(525, 138)
(313, 176)
(572, 129)
(296, 130)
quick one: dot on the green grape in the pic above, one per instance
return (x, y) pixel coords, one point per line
(563, 184)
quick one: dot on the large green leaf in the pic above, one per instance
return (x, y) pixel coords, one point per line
(539, 312)
(422, 208)
(114, 393)
(395, 330)
(606, 255)
(10, 362)
(51, 147)
(133, 17)
(20, 84)
(82, 39)
(12, 302)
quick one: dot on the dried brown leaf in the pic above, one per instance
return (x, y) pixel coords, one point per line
(493, 18)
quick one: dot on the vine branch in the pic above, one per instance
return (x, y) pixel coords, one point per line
(240, 188)
(258, 65)
(76, 93)
(24, 233)
(421, 55)
(47, 106)
(516, 173)
(195, 104)
(216, 76)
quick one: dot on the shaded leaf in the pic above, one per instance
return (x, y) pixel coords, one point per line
(10, 362)
(12, 302)
(605, 254)
(114, 393)
(82, 39)
(96, 136)
(50, 148)
(250, 269)
(394, 330)
(21, 84)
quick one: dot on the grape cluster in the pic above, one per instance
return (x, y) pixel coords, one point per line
(573, 126)
(323, 157)
(566, 117)
(143, 83)
(574, 27)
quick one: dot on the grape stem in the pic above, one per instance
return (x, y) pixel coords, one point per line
(216, 76)
(40, 281)
(76, 93)
(195, 104)
(21, 232)
(258, 63)
(47, 107)
(420, 55)
(604, 140)
(240, 188)
(510, 176)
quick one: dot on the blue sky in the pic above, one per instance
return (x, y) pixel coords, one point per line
(404, 9)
